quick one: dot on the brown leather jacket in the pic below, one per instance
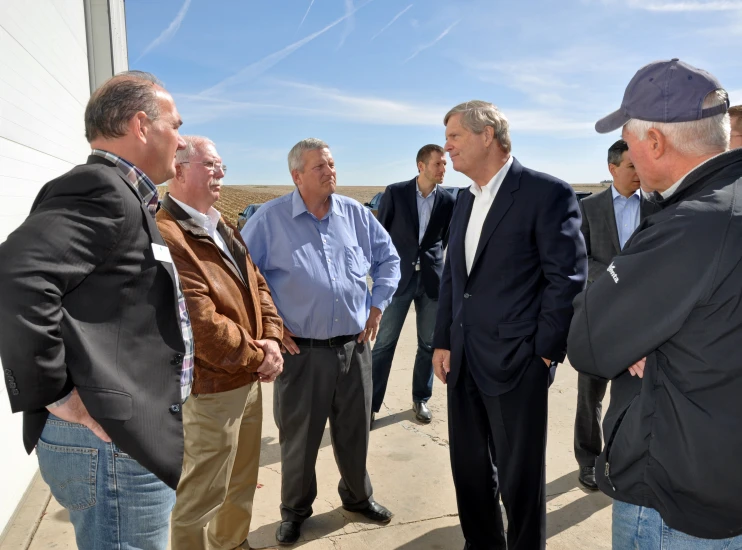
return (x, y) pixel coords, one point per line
(227, 315)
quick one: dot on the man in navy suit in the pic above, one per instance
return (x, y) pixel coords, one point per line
(416, 214)
(516, 259)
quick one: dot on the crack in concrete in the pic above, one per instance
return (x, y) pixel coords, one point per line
(436, 439)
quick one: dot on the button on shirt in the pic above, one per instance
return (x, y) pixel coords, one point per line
(483, 199)
(148, 193)
(627, 214)
(424, 209)
(316, 269)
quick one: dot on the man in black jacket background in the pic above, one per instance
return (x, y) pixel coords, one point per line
(670, 311)
(96, 342)
(416, 214)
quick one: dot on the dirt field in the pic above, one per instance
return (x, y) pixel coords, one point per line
(234, 198)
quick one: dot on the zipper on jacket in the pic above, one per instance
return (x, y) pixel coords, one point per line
(608, 476)
(609, 444)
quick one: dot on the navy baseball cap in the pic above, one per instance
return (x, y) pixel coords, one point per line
(665, 91)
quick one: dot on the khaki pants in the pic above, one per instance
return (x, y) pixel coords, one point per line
(213, 505)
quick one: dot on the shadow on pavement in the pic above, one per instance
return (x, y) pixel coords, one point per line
(444, 538)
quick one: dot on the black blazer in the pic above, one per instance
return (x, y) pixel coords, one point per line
(516, 305)
(84, 303)
(398, 215)
(600, 231)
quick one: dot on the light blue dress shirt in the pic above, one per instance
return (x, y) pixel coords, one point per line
(627, 214)
(316, 269)
(424, 209)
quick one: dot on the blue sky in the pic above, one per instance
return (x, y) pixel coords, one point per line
(374, 78)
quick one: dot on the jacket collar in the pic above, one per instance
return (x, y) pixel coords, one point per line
(182, 218)
(697, 178)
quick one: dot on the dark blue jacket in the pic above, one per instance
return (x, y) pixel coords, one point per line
(516, 304)
(398, 215)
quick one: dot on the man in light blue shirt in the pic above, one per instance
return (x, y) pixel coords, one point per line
(315, 250)
(626, 208)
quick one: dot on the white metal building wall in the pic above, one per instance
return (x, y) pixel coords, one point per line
(44, 85)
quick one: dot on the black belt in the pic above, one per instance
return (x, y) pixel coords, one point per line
(334, 342)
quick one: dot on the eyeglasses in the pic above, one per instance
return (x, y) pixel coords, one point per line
(211, 165)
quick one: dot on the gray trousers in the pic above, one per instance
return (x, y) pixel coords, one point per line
(317, 384)
(588, 434)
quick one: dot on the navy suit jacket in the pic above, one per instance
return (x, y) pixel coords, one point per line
(516, 304)
(398, 214)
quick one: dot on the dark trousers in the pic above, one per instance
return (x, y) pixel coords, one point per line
(498, 446)
(386, 342)
(317, 384)
(588, 435)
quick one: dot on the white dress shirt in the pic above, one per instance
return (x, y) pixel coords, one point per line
(483, 199)
(209, 222)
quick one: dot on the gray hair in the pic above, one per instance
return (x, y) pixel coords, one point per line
(296, 155)
(118, 99)
(476, 115)
(192, 143)
(696, 137)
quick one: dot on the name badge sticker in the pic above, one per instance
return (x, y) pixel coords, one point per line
(162, 254)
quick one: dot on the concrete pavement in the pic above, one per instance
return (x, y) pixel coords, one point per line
(410, 471)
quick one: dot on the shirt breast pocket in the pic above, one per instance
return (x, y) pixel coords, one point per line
(356, 261)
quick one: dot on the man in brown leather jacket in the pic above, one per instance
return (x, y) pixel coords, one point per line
(237, 333)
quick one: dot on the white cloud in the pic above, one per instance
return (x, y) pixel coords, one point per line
(385, 27)
(169, 32)
(257, 68)
(433, 43)
(680, 6)
(350, 21)
(306, 13)
(335, 104)
(721, 5)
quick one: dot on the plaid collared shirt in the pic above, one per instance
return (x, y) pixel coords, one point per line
(148, 192)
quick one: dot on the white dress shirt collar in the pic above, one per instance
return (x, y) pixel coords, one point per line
(208, 221)
(489, 191)
(616, 193)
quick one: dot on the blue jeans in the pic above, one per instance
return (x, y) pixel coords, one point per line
(386, 342)
(636, 527)
(113, 501)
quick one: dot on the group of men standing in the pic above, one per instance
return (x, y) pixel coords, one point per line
(137, 334)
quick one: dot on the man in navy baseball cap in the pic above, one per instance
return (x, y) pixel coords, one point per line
(665, 91)
(665, 326)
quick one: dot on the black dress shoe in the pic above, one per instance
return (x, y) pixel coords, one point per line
(587, 478)
(422, 412)
(288, 532)
(375, 512)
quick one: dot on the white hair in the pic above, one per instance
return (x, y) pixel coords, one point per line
(192, 143)
(695, 138)
(476, 115)
(296, 160)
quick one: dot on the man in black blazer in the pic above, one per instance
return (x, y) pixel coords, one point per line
(96, 342)
(416, 214)
(516, 259)
(609, 218)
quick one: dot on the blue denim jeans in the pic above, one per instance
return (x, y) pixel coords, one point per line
(113, 501)
(636, 527)
(388, 336)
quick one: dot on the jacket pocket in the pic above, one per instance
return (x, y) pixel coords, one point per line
(516, 329)
(70, 473)
(104, 403)
(612, 439)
